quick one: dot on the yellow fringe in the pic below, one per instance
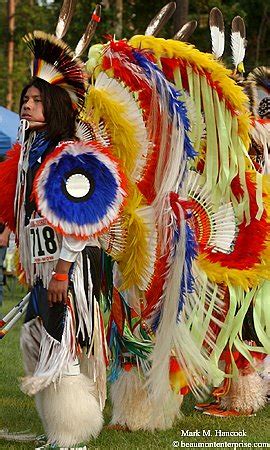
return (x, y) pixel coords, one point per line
(99, 105)
(233, 93)
(170, 48)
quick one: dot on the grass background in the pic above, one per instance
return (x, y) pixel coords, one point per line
(17, 411)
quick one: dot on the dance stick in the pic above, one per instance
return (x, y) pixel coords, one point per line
(14, 311)
(15, 319)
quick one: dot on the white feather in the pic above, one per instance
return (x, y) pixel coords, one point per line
(132, 405)
(238, 48)
(218, 41)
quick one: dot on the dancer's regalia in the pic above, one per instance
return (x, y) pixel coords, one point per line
(184, 224)
(223, 200)
(246, 393)
(64, 346)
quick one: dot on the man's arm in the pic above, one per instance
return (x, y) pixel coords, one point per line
(57, 290)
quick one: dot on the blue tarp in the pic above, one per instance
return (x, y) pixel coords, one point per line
(9, 123)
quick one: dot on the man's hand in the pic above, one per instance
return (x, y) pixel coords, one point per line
(57, 291)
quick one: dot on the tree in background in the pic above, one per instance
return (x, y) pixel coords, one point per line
(125, 18)
(11, 7)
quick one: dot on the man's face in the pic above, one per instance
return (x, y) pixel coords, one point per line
(32, 107)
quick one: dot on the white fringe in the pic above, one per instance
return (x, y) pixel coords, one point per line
(84, 310)
(30, 344)
(247, 394)
(70, 411)
(94, 364)
(53, 358)
(132, 405)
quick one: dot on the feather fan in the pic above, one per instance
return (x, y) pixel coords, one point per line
(238, 42)
(162, 17)
(217, 32)
(65, 17)
(186, 31)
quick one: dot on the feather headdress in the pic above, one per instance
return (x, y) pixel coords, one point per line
(55, 63)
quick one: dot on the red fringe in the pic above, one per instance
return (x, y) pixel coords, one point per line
(8, 181)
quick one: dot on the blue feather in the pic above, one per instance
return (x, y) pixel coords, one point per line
(91, 210)
(176, 107)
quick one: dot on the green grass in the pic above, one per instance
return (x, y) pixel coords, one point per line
(17, 411)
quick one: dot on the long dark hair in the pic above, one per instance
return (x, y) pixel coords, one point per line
(58, 111)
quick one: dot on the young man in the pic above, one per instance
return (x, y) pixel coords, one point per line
(61, 317)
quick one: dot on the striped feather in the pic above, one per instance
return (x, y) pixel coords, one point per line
(217, 32)
(65, 16)
(89, 32)
(162, 17)
(238, 42)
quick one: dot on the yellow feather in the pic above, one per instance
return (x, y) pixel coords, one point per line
(175, 49)
(135, 259)
(99, 106)
(233, 93)
(245, 278)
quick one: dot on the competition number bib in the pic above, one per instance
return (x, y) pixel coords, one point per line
(43, 241)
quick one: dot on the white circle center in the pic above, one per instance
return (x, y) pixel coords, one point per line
(78, 185)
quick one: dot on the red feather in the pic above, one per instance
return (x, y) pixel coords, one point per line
(251, 239)
(8, 181)
(155, 290)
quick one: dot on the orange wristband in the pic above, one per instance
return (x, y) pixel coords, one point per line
(60, 276)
